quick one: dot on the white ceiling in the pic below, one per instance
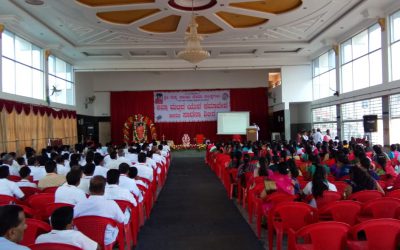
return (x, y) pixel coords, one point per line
(74, 32)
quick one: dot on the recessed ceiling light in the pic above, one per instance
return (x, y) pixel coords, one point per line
(34, 2)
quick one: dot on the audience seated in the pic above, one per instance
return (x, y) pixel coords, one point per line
(37, 170)
(24, 173)
(69, 192)
(8, 160)
(52, 179)
(144, 170)
(7, 187)
(98, 205)
(114, 192)
(88, 172)
(128, 183)
(12, 227)
(63, 232)
(99, 162)
(318, 185)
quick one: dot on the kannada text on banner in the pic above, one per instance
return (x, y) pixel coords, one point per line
(190, 106)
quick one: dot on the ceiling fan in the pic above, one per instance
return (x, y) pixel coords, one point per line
(54, 90)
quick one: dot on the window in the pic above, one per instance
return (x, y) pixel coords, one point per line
(61, 85)
(394, 107)
(324, 75)
(359, 54)
(22, 67)
(352, 118)
(325, 118)
(395, 45)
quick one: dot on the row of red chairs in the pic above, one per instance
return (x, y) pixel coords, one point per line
(39, 206)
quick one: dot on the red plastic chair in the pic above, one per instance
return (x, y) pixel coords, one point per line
(50, 190)
(289, 217)
(340, 186)
(327, 198)
(39, 203)
(127, 229)
(51, 207)
(94, 227)
(53, 246)
(365, 195)
(386, 207)
(394, 194)
(29, 191)
(379, 233)
(342, 211)
(14, 178)
(6, 199)
(33, 230)
(328, 235)
(29, 212)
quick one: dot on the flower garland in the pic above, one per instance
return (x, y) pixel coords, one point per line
(130, 124)
(191, 146)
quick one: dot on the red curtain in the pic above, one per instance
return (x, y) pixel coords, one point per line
(125, 104)
(26, 107)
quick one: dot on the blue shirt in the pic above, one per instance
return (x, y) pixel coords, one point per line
(6, 244)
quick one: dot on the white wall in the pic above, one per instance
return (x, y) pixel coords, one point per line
(300, 112)
(101, 84)
(83, 89)
(296, 83)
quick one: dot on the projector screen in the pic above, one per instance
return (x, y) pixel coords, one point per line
(232, 123)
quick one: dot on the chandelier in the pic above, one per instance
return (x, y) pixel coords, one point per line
(193, 51)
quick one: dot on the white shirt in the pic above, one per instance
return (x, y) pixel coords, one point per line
(62, 170)
(37, 172)
(107, 158)
(152, 163)
(115, 192)
(70, 237)
(10, 188)
(123, 159)
(69, 194)
(85, 183)
(100, 170)
(130, 184)
(144, 171)
(308, 191)
(14, 170)
(113, 164)
(133, 158)
(6, 244)
(317, 137)
(98, 205)
(26, 183)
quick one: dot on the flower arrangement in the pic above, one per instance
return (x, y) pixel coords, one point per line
(131, 124)
(199, 147)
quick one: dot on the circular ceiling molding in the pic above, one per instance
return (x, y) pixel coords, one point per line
(186, 5)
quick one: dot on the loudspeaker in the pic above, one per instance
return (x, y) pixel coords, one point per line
(370, 123)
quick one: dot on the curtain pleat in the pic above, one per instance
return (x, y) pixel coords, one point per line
(34, 130)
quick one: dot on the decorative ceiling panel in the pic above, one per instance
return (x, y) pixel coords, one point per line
(270, 6)
(163, 25)
(241, 21)
(97, 3)
(126, 16)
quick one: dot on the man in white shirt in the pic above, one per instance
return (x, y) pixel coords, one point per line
(113, 163)
(37, 172)
(8, 161)
(144, 170)
(149, 160)
(25, 172)
(61, 222)
(88, 172)
(317, 137)
(115, 192)
(69, 192)
(128, 183)
(98, 205)
(61, 168)
(132, 156)
(99, 162)
(7, 187)
(122, 158)
(12, 227)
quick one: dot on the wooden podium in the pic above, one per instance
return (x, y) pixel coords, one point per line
(252, 133)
